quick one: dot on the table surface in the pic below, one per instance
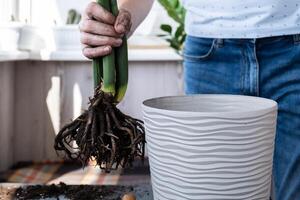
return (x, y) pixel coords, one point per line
(142, 192)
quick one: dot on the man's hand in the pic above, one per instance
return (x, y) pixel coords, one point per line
(100, 30)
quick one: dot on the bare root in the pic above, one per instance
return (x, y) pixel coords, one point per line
(103, 133)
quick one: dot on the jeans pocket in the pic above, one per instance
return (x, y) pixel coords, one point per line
(197, 49)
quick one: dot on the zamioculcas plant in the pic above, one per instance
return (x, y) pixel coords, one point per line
(177, 12)
(73, 17)
(103, 133)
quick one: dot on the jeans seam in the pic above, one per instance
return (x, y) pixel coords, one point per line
(257, 71)
(243, 88)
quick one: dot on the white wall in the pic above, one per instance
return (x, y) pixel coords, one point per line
(156, 17)
(6, 114)
(7, 8)
(45, 12)
(48, 11)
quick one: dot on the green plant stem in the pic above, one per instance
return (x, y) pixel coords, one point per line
(109, 71)
(97, 71)
(121, 62)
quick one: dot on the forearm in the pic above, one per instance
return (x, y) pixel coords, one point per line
(138, 9)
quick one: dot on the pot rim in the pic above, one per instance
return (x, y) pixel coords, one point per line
(11, 25)
(266, 106)
(66, 27)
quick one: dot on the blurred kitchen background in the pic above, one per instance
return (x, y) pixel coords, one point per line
(45, 82)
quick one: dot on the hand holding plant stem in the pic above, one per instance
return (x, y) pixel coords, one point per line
(103, 132)
(101, 30)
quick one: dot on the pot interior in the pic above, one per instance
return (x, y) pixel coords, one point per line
(211, 103)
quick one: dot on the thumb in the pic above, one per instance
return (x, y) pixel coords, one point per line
(123, 22)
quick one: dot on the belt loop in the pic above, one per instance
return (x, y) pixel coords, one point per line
(296, 38)
(220, 42)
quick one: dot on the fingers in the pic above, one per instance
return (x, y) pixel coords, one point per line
(95, 11)
(99, 40)
(123, 22)
(93, 52)
(99, 28)
(101, 31)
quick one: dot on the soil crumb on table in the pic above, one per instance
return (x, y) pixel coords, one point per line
(73, 192)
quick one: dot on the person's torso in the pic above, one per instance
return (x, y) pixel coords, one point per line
(242, 18)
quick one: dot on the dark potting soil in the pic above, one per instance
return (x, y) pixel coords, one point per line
(75, 192)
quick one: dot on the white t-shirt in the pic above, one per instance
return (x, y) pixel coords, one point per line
(242, 18)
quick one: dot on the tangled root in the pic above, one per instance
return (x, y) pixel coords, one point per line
(104, 134)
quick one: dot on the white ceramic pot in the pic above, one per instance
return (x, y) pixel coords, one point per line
(35, 38)
(209, 147)
(9, 36)
(57, 38)
(67, 37)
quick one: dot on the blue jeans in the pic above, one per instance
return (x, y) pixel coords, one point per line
(266, 67)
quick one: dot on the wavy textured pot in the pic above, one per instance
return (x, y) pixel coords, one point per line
(210, 147)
